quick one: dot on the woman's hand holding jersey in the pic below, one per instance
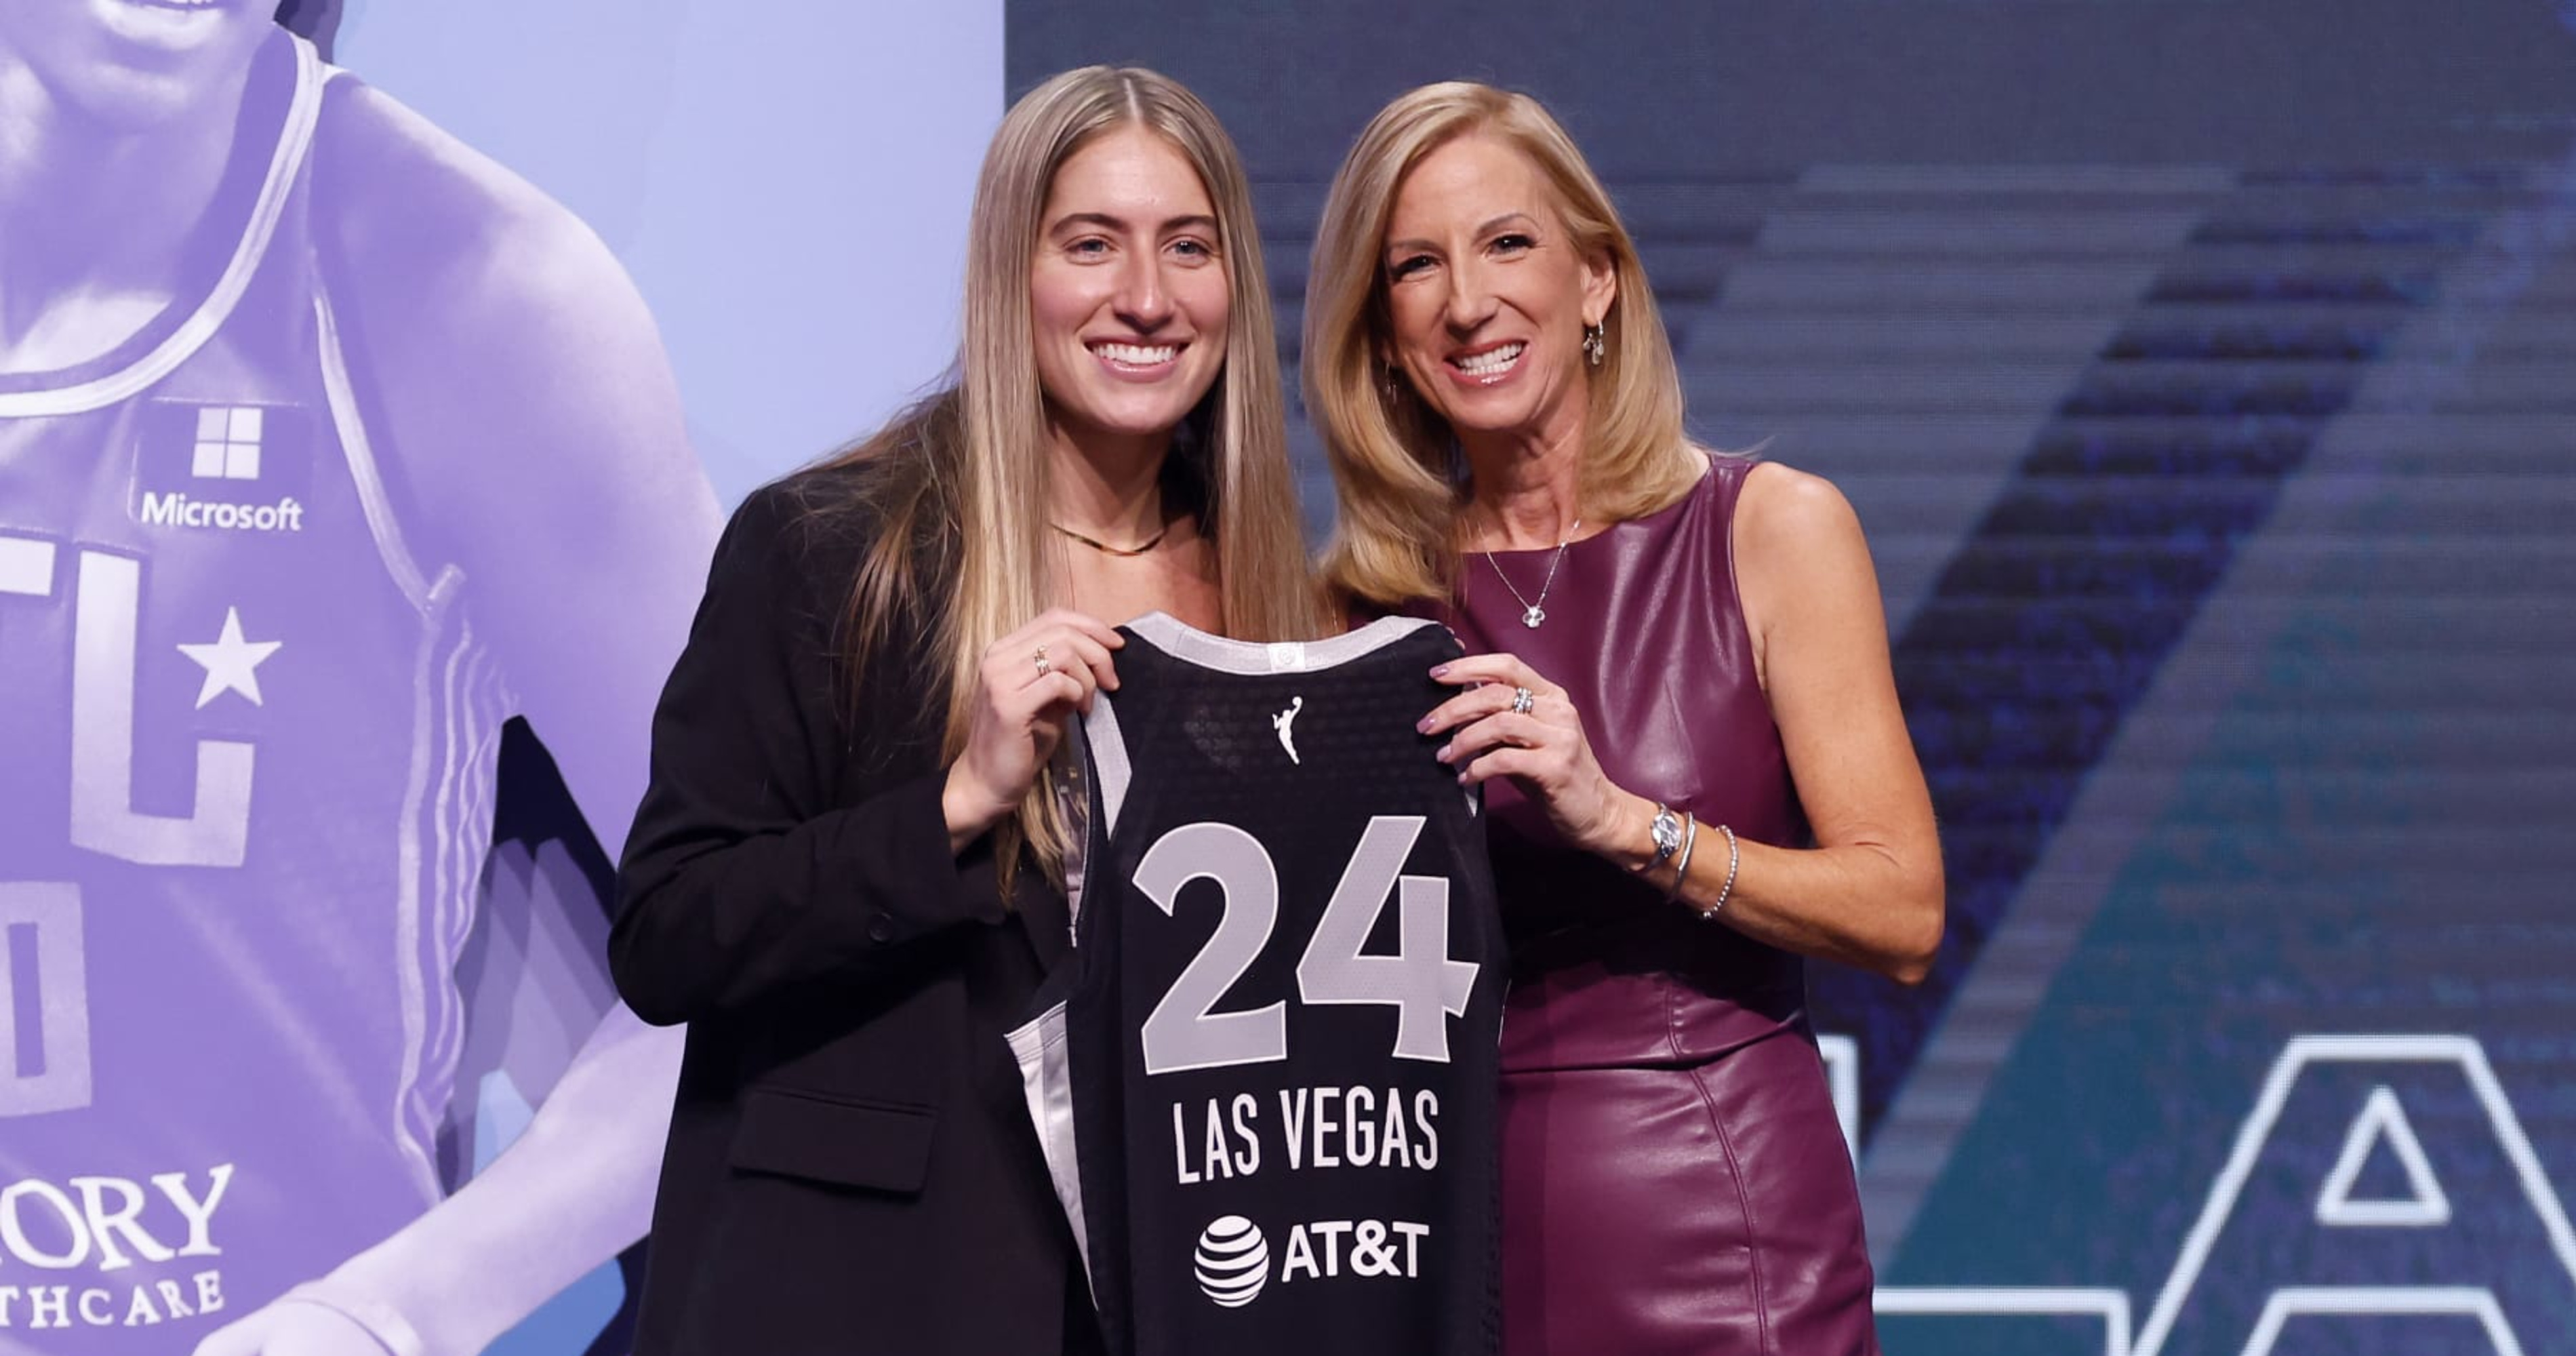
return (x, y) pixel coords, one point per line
(1496, 731)
(1029, 684)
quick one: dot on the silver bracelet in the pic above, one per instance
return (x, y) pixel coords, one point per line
(1734, 858)
(380, 1320)
(1681, 868)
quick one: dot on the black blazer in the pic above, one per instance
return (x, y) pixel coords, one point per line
(850, 1167)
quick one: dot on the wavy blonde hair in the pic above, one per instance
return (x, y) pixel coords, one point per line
(965, 486)
(1397, 474)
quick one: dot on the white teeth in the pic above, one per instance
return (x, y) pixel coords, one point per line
(1487, 364)
(1137, 355)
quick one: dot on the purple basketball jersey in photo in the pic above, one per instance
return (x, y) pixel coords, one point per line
(250, 741)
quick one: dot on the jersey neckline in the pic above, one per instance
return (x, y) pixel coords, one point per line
(171, 338)
(1181, 640)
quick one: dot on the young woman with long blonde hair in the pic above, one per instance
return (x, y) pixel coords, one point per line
(847, 875)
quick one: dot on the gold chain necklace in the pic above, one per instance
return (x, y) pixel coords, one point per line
(1105, 548)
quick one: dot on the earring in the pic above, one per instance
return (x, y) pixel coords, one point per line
(1393, 394)
(1593, 347)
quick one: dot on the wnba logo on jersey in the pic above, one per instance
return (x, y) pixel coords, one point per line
(1286, 724)
(235, 468)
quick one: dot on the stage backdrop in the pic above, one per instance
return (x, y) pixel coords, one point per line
(2205, 377)
(2204, 373)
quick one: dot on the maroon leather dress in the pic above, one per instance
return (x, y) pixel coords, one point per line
(1674, 1180)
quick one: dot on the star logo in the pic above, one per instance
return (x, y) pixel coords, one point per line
(231, 663)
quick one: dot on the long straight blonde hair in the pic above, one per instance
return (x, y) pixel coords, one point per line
(1397, 474)
(961, 549)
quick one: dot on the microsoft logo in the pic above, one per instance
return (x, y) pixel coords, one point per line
(227, 443)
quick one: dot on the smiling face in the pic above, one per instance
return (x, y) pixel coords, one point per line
(1488, 293)
(1127, 294)
(127, 65)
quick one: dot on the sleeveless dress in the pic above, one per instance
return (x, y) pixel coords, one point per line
(252, 739)
(1674, 1179)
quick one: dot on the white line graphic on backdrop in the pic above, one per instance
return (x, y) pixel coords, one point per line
(2111, 1305)
(2380, 1116)
(1842, 1074)
(2465, 1301)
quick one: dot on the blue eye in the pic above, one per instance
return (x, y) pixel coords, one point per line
(1089, 246)
(1513, 242)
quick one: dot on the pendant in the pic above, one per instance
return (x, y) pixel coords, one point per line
(1533, 617)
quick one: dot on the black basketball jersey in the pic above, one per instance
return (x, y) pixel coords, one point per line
(1265, 1077)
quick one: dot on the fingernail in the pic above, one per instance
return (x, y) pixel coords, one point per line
(1439, 670)
(1447, 751)
(1422, 726)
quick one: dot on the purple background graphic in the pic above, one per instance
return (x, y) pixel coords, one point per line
(787, 184)
(349, 503)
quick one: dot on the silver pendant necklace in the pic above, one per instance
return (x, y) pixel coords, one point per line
(1534, 611)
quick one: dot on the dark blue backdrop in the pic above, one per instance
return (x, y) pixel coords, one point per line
(2205, 375)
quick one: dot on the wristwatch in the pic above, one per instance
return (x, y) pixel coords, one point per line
(1667, 833)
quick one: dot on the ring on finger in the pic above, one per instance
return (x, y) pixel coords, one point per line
(1040, 659)
(1522, 701)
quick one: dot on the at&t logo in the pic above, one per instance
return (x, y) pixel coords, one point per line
(1232, 1261)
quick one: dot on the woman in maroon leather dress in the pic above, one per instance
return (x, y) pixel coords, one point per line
(1680, 707)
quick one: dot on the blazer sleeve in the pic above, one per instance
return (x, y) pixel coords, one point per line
(742, 878)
